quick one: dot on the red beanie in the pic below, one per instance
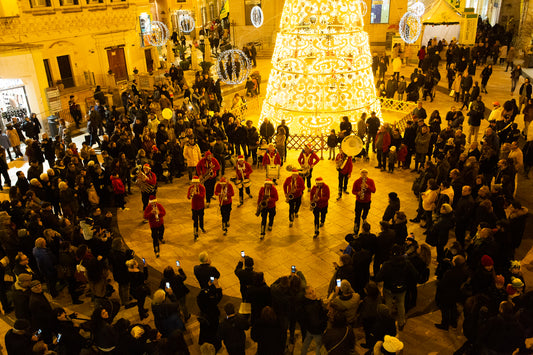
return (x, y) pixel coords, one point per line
(486, 261)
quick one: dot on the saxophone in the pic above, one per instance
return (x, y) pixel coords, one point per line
(363, 189)
(292, 191)
(317, 196)
(223, 194)
(340, 163)
(209, 173)
(264, 202)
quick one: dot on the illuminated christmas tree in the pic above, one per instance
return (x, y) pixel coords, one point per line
(322, 67)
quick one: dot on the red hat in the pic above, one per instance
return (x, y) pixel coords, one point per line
(268, 181)
(208, 153)
(223, 180)
(147, 166)
(195, 179)
(295, 171)
(496, 103)
(319, 180)
(486, 261)
(240, 157)
(309, 145)
(152, 198)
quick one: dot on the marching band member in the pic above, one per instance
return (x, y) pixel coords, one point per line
(294, 187)
(243, 169)
(196, 194)
(308, 159)
(147, 180)
(207, 170)
(319, 203)
(224, 191)
(266, 205)
(344, 167)
(154, 213)
(363, 188)
(271, 157)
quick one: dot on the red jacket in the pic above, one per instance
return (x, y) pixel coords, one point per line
(202, 168)
(246, 169)
(323, 195)
(151, 178)
(273, 196)
(273, 158)
(198, 199)
(312, 159)
(370, 189)
(300, 185)
(229, 193)
(150, 216)
(348, 165)
(118, 186)
(386, 141)
(402, 153)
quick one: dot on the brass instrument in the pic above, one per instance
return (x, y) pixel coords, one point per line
(340, 163)
(292, 191)
(306, 168)
(209, 173)
(363, 189)
(155, 210)
(314, 202)
(223, 194)
(139, 177)
(264, 202)
(352, 145)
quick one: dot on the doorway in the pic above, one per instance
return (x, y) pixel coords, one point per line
(149, 60)
(65, 70)
(117, 63)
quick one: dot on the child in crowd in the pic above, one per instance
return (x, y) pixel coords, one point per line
(332, 143)
(119, 191)
(402, 157)
(393, 157)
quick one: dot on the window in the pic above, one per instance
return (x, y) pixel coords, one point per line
(95, 1)
(380, 11)
(48, 72)
(248, 5)
(68, 2)
(40, 3)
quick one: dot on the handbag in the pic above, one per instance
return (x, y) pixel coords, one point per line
(452, 93)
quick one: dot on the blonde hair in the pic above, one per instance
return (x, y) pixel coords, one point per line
(40, 242)
(159, 297)
(130, 263)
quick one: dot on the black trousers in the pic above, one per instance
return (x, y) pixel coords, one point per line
(320, 215)
(308, 178)
(270, 213)
(198, 219)
(225, 211)
(209, 189)
(145, 197)
(241, 192)
(294, 207)
(361, 210)
(343, 182)
(157, 236)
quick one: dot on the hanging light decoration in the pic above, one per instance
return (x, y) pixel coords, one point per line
(321, 67)
(256, 15)
(186, 23)
(364, 7)
(418, 8)
(233, 66)
(158, 34)
(410, 27)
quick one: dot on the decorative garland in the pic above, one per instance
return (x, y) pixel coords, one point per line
(233, 66)
(186, 23)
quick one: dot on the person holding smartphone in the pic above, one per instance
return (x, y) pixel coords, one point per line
(154, 213)
(246, 274)
(138, 289)
(208, 300)
(177, 287)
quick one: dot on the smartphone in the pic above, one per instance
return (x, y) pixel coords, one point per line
(242, 253)
(39, 331)
(167, 285)
(293, 269)
(144, 261)
(177, 263)
(212, 279)
(338, 282)
(58, 337)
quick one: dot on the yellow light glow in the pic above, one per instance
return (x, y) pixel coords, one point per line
(321, 67)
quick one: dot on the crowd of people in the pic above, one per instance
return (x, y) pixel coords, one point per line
(58, 229)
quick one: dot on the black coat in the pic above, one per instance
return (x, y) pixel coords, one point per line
(449, 287)
(203, 272)
(313, 316)
(259, 297)
(18, 343)
(232, 332)
(246, 278)
(269, 337)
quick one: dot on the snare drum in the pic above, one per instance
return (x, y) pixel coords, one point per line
(247, 183)
(272, 171)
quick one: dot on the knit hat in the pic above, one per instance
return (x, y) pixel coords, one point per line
(516, 282)
(445, 208)
(21, 324)
(393, 148)
(346, 288)
(486, 261)
(392, 344)
(268, 181)
(319, 180)
(195, 179)
(152, 199)
(147, 166)
(207, 154)
(240, 157)
(496, 103)
(223, 180)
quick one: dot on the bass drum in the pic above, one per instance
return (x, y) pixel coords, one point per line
(272, 171)
(352, 145)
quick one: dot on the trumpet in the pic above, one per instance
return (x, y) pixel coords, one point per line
(363, 189)
(155, 210)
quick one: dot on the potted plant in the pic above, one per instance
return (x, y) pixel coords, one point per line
(205, 67)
